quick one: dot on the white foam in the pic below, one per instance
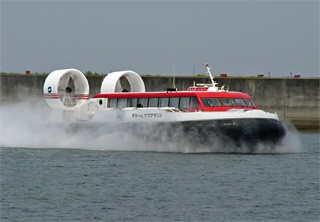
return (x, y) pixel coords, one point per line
(29, 126)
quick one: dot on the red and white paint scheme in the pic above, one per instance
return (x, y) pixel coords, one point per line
(208, 108)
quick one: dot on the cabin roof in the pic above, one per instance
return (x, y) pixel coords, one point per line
(201, 94)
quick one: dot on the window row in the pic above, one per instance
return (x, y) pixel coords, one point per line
(178, 102)
(213, 102)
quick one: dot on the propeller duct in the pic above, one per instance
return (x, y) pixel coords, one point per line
(66, 88)
(111, 83)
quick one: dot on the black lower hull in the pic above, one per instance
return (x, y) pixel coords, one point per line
(240, 131)
(226, 133)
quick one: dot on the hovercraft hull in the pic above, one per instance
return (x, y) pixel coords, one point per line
(223, 132)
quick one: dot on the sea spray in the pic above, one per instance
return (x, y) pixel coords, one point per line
(37, 126)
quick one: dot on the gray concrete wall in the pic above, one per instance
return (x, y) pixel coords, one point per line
(295, 99)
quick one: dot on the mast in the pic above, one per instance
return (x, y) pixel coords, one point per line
(213, 86)
(210, 74)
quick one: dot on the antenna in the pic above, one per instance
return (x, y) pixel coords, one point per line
(173, 78)
(210, 74)
(213, 86)
(173, 82)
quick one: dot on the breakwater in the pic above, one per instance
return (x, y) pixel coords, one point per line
(294, 99)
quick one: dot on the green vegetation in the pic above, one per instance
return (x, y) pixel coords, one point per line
(22, 74)
(11, 73)
(90, 73)
(204, 76)
(153, 75)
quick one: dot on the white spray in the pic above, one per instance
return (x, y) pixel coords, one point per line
(27, 125)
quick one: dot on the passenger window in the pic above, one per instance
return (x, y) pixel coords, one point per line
(122, 103)
(142, 102)
(112, 103)
(227, 102)
(133, 102)
(210, 102)
(153, 102)
(240, 102)
(249, 102)
(194, 102)
(184, 102)
(174, 102)
(164, 102)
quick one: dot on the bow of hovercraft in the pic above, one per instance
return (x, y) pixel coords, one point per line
(253, 131)
(238, 129)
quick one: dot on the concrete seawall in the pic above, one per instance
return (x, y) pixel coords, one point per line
(295, 100)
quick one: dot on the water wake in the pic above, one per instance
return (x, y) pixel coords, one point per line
(29, 126)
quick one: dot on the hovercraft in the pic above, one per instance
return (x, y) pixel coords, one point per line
(202, 114)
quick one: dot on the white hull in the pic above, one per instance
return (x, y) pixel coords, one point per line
(133, 115)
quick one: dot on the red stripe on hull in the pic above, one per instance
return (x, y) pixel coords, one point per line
(199, 94)
(56, 96)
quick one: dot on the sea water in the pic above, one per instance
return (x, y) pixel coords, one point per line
(115, 180)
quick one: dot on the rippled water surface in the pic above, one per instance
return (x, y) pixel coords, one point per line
(103, 185)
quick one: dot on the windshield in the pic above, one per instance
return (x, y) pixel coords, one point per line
(210, 102)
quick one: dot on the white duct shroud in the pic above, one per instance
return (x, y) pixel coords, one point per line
(66, 88)
(111, 82)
